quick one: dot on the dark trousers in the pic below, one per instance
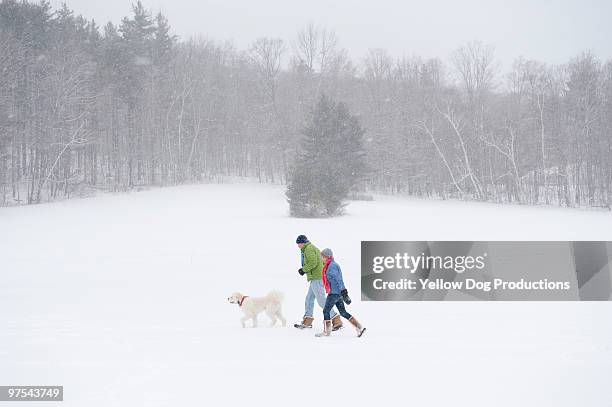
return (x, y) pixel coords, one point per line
(331, 301)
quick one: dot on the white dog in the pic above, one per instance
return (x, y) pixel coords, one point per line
(252, 306)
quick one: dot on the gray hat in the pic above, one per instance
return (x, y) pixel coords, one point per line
(327, 252)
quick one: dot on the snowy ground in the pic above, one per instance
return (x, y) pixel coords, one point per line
(121, 299)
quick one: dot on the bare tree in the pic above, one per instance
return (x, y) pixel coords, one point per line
(131, 106)
(476, 67)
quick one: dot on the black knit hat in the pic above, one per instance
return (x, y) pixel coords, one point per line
(301, 239)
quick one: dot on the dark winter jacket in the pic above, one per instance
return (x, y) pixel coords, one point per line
(334, 277)
(312, 263)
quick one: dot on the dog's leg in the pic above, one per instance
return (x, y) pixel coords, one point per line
(280, 316)
(255, 321)
(243, 320)
(272, 317)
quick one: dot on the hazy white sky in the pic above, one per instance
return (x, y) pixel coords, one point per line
(547, 30)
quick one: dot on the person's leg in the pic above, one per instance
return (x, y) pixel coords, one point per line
(319, 292)
(309, 301)
(340, 305)
(327, 326)
(358, 327)
(308, 310)
(327, 308)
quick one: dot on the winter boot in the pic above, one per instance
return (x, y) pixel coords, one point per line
(360, 329)
(327, 329)
(336, 323)
(306, 323)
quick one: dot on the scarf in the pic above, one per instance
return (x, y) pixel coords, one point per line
(323, 273)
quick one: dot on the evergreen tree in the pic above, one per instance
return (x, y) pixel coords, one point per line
(332, 162)
(138, 35)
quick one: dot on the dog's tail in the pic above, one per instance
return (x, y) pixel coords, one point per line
(276, 295)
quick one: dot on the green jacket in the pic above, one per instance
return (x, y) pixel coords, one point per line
(312, 263)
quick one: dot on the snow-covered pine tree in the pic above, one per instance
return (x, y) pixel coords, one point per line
(331, 163)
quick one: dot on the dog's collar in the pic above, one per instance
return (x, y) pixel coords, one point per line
(242, 300)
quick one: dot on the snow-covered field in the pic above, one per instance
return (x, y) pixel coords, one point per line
(122, 299)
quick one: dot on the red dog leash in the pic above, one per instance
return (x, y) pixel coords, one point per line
(242, 300)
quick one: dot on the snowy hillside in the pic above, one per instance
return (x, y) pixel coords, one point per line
(122, 300)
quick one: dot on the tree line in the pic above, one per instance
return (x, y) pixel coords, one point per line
(85, 107)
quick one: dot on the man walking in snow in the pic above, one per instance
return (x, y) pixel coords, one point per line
(312, 265)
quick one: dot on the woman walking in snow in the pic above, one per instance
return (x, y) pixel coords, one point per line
(337, 294)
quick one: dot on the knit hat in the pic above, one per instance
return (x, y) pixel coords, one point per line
(327, 252)
(301, 239)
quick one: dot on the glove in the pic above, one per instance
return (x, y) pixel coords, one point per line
(345, 296)
(301, 271)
